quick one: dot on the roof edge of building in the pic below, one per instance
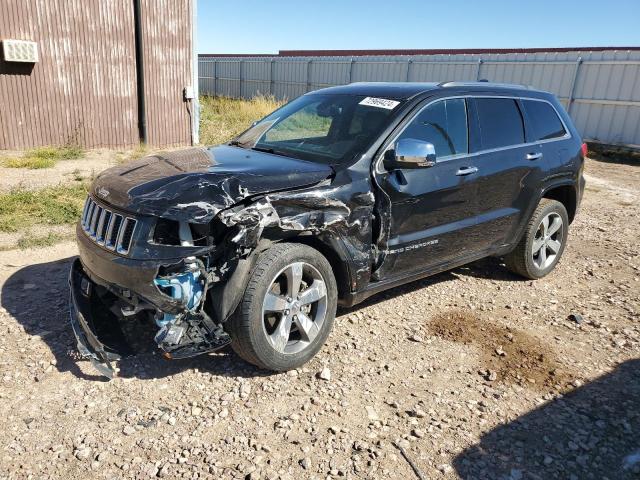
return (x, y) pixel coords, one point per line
(463, 51)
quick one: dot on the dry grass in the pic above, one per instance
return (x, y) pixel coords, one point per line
(223, 118)
(140, 151)
(44, 157)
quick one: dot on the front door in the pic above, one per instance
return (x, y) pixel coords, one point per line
(432, 210)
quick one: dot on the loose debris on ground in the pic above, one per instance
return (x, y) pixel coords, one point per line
(473, 373)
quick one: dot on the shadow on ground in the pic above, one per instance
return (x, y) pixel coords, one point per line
(591, 433)
(490, 268)
(37, 297)
(615, 156)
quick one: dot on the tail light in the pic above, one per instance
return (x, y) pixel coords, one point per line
(585, 150)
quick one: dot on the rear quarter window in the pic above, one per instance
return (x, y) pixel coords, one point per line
(544, 119)
(500, 121)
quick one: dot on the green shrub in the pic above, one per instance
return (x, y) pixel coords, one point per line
(61, 205)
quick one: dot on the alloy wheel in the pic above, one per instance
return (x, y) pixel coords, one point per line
(294, 308)
(547, 242)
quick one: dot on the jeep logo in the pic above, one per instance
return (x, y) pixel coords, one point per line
(102, 192)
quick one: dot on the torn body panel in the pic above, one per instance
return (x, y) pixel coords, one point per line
(198, 235)
(195, 184)
(202, 217)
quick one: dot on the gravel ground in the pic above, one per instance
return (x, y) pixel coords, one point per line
(473, 373)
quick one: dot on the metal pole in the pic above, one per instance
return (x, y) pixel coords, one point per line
(142, 109)
(309, 75)
(409, 62)
(215, 78)
(195, 104)
(574, 81)
(478, 77)
(272, 77)
(241, 62)
(350, 70)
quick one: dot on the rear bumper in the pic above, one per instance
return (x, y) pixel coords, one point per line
(88, 345)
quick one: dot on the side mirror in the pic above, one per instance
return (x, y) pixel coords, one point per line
(410, 153)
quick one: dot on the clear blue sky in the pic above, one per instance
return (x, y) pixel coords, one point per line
(266, 26)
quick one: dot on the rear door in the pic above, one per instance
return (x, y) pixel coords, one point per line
(432, 209)
(511, 168)
(548, 130)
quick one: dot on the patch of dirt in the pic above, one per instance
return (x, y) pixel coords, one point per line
(12, 240)
(507, 354)
(65, 171)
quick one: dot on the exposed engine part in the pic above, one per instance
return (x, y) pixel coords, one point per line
(192, 332)
(192, 335)
(186, 287)
(186, 238)
(131, 310)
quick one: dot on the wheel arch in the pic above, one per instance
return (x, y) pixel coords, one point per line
(224, 297)
(566, 194)
(331, 249)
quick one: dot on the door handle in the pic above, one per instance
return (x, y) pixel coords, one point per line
(466, 171)
(534, 156)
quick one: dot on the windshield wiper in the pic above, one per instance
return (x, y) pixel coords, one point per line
(236, 143)
(268, 150)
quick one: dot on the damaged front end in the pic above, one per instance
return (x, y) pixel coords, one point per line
(108, 326)
(193, 331)
(111, 320)
(164, 259)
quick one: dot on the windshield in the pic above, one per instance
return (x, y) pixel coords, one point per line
(326, 128)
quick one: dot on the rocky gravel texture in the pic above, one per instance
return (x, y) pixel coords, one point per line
(471, 374)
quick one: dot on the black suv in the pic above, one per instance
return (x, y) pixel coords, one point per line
(337, 195)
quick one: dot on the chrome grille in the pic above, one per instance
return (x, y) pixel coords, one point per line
(108, 229)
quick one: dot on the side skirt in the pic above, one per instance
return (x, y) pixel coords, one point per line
(373, 288)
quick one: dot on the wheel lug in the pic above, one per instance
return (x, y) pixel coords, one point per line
(289, 299)
(287, 311)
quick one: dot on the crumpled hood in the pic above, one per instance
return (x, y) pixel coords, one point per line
(196, 183)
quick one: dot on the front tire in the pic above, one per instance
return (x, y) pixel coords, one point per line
(542, 243)
(288, 308)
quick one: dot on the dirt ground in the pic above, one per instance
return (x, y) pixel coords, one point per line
(471, 374)
(64, 171)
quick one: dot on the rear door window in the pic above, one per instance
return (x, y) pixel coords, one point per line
(544, 120)
(444, 124)
(500, 121)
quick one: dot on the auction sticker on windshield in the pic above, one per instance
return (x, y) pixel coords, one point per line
(380, 103)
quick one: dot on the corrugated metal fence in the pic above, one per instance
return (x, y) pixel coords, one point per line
(601, 90)
(84, 87)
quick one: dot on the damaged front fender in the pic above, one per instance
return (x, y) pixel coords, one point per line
(334, 215)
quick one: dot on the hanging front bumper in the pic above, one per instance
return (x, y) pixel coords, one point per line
(81, 289)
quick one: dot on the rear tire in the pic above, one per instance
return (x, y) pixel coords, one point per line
(542, 243)
(288, 308)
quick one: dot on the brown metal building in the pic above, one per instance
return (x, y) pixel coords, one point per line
(85, 86)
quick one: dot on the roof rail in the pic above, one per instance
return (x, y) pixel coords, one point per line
(483, 81)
